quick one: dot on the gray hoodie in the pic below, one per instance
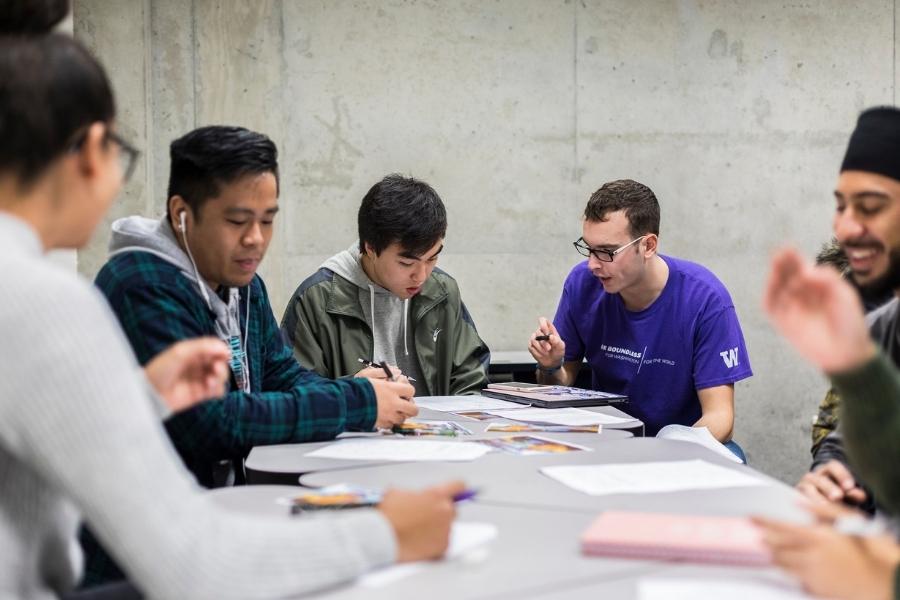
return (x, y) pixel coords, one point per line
(140, 234)
(392, 337)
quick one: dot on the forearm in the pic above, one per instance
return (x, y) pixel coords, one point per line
(719, 423)
(871, 425)
(717, 410)
(830, 448)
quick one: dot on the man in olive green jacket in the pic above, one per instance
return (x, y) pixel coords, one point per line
(383, 300)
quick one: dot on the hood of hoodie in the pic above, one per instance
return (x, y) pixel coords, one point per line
(386, 314)
(156, 236)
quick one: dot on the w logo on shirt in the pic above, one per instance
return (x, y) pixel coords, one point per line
(730, 357)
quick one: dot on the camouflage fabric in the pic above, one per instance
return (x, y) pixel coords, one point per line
(827, 418)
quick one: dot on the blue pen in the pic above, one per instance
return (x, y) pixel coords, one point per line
(300, 505)
(465, 495)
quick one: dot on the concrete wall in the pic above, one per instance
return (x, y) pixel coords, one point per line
(735, 113)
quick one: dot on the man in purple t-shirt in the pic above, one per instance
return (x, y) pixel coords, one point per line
(661, 330)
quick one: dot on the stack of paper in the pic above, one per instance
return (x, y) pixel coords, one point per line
(464, 539)
(671, 588)
(559, 416)
(696, 435)
(400, 450)
(463, 403)
(649, 477)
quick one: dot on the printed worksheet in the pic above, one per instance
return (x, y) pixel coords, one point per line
(400, 450)
(465, 539)
(464, 403)
(649, 477)
(559, 416)
(672, 588)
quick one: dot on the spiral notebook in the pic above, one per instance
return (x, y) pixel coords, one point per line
(659, 536)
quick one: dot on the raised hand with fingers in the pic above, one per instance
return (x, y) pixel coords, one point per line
(545, 345)
(831, 482)
(833, 564)
(189, 372)
(818, 312)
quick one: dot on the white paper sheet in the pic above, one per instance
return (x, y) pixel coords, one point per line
(559, 416)
(649, 477)
(464, 403)
(672, 588)
(400, 450)
(465, 538)
(696, 435)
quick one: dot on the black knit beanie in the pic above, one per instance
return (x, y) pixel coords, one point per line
(875, 144)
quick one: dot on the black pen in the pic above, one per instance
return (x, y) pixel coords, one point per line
(387, 372)
(542, 338)
(381, 365)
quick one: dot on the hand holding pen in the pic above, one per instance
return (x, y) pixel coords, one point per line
(380, 370)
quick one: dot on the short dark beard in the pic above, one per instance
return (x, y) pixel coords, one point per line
(887, 283)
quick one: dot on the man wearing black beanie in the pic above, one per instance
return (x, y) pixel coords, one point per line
(867, 226)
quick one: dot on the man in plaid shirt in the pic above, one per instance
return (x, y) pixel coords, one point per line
(192, 274)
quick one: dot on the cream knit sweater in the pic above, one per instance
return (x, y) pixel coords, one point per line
(79, 435)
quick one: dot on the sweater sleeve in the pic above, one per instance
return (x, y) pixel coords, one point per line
(871, 422)
(83, 423)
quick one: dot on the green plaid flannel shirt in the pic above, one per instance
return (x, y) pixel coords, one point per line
(157, 306)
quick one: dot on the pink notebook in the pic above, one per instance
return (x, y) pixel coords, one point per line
(727, 540)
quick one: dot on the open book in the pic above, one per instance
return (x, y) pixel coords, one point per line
(697, 435)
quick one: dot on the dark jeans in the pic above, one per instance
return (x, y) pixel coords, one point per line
(736, 450)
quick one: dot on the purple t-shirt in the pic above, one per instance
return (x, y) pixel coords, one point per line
(688, 339)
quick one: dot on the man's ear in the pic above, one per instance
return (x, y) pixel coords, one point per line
(177, 207)
(651, 243)
(368, 250)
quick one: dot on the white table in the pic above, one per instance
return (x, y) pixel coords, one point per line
(285, 463)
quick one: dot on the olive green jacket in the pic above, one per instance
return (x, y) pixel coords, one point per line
(329, 333)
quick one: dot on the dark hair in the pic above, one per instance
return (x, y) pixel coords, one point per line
(51, 89)
(404, 210)
(636, 199)
(206, 158)
(31, 17)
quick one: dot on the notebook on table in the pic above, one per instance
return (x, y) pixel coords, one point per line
(551, 396)
(658, 536)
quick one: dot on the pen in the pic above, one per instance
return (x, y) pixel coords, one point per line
(465, 495)
(299, 507)
(369, 363)
(387, 372)
(542, 338)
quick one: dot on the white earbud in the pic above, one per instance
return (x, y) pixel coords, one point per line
(181, 225)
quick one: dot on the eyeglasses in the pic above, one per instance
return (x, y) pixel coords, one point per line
(598, 253)
(127, 156)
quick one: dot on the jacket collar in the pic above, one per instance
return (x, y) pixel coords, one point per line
(343, 298)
